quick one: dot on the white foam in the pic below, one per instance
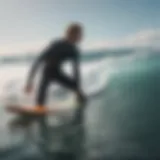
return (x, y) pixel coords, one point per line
(95, 76)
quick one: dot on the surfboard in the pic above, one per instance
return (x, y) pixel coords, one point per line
(55, 106)
(15, 109)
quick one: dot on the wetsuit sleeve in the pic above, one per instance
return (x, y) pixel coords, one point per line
(77, 70)
(43, 56)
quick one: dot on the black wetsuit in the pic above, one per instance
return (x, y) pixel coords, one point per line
(54, 57)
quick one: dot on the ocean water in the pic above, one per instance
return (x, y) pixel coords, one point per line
(122, 115)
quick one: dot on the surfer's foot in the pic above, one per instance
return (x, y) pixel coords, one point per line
(40, 109)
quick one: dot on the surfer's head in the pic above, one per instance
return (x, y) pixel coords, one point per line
(74, 33)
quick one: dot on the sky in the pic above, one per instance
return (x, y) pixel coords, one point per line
(28, 25)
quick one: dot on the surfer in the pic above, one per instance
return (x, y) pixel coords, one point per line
(53, 57)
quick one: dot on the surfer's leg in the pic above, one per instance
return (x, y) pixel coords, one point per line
(66, 81)
(72, 85)
(40, 101)
(41, 94)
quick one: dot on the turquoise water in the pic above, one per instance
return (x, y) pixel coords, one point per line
(122, 121)
(128, 113)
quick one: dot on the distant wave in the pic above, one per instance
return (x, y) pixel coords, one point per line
(86, 56)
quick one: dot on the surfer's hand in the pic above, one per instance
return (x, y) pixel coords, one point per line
(28, 89)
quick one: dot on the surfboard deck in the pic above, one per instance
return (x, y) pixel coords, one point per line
(24, 110)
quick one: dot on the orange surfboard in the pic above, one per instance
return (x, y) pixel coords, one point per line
(29, 110)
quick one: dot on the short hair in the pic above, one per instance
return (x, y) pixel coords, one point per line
(74, 28)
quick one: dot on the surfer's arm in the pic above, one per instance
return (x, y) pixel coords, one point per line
(34, 69)
(43, 56)
(76, 73)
